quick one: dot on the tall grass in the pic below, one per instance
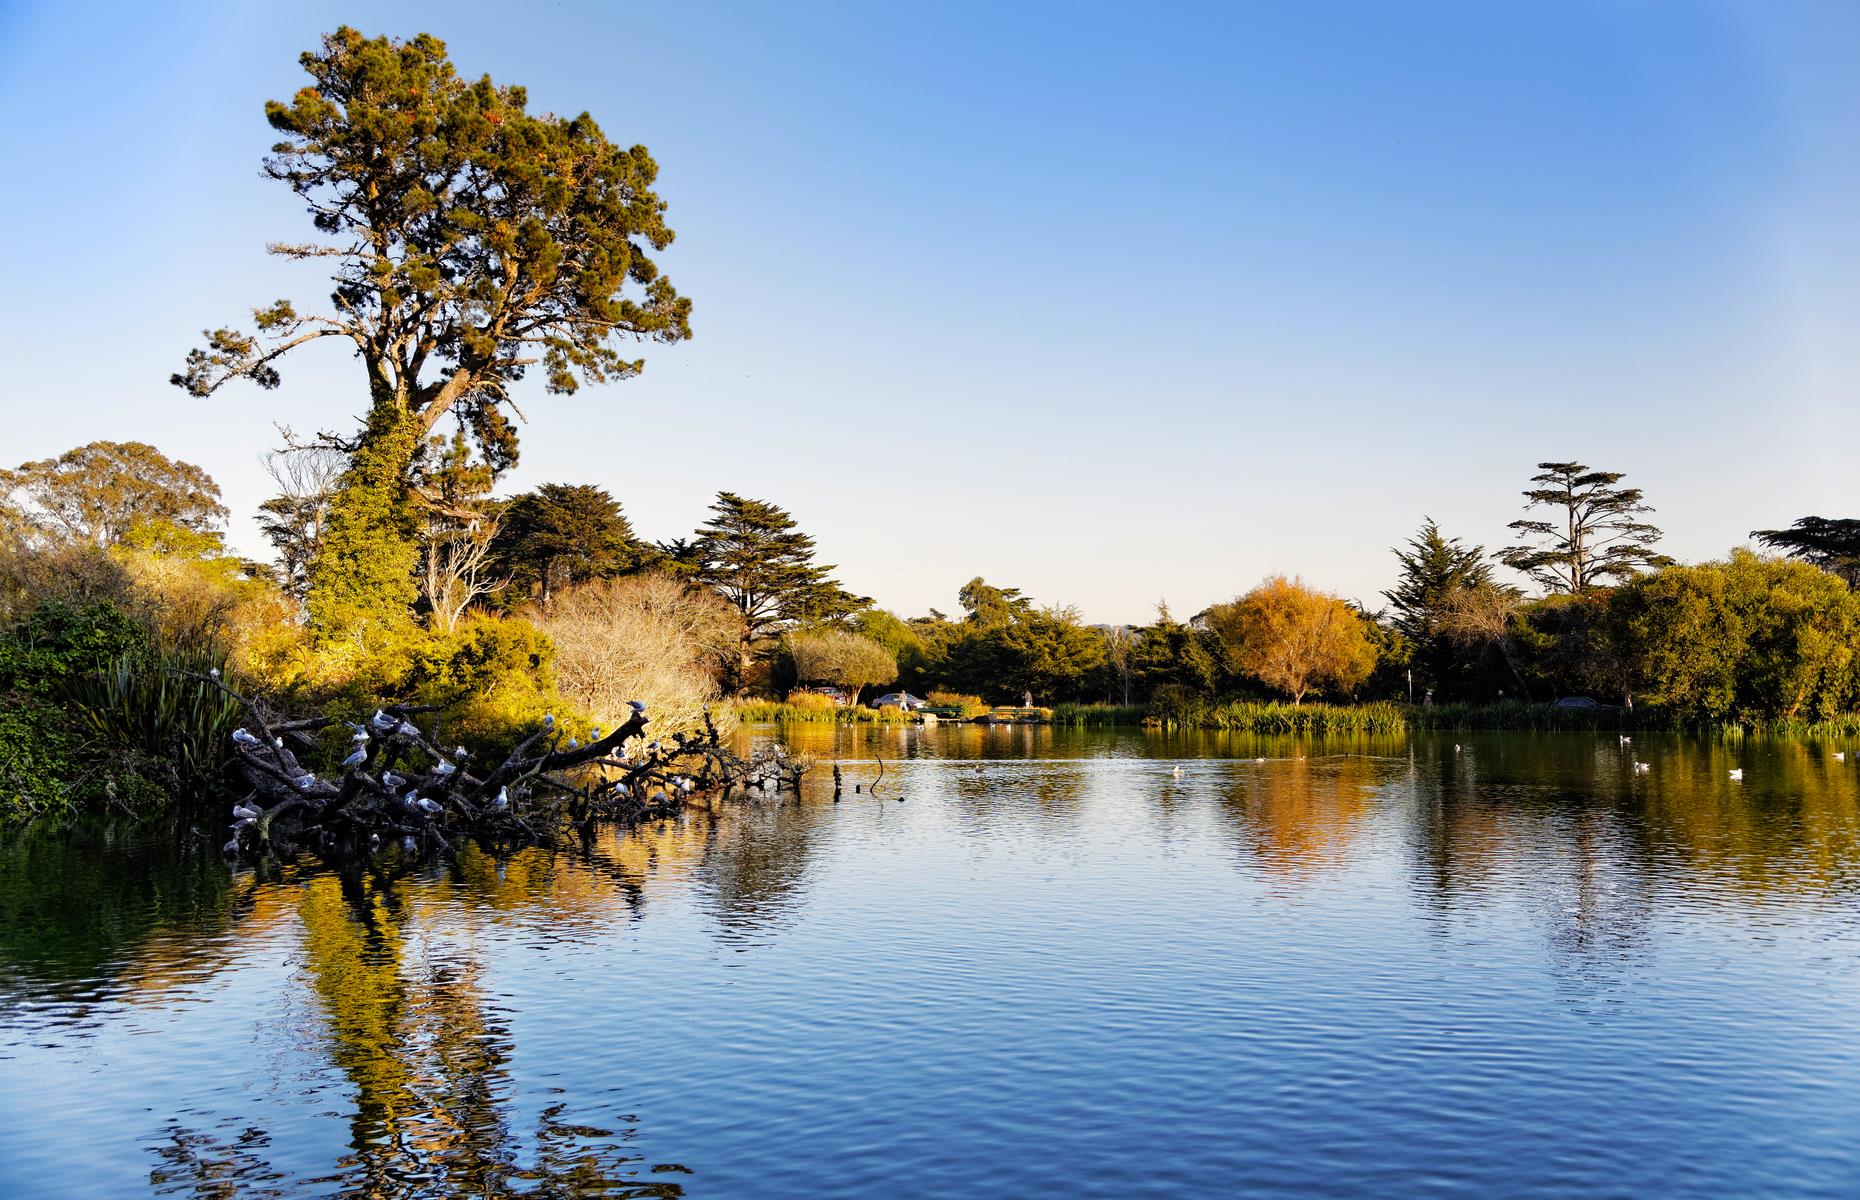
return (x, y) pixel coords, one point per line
(1254, 716)
(1098, 716)
(144, 705)
(785, 712)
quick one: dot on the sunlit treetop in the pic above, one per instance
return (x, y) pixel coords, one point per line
(471, 240)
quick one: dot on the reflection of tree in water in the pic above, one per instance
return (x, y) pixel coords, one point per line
(755, 865)
(428, 1060)
(1296, 815)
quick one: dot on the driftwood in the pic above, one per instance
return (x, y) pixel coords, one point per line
(394, 782)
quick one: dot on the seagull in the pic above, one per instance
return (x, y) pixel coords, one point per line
(245, 812)
(548, 720)
(305, 782)
(356, 757)
(443, 768)
(242, 738)
(1840, 756)
(638, 706)
(1456, 747)
(391, 780)
(502, 800)
(408, 729)
(1737, 773)
(1641, 768)
(411, 799)
(460, 753)
(215, 672)
(246, 823)
(278, 743)
(1177, 773)
(382, 721)
(1626, 740)
(658, 797)
(361, 736)
(374, 839)
(594, 735)
(1259, 760)
(431, 808)
(573, 743)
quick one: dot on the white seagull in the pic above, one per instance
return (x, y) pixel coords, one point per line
(355, 757)
(638, 706)
(1737, 774)
(242, 738)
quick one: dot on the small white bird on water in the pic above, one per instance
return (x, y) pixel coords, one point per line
(1737, 774)
(1641, 768)
(1840, 756)
(1626, 740)
(1177, 772)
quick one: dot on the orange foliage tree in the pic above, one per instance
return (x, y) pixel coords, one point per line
(1294, 639)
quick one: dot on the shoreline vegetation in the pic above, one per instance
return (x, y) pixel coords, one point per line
(1319, 719)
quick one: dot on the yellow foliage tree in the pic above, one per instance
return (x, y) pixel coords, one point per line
(1294, 639)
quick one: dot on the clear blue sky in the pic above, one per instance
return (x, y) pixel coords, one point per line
(1110, 303)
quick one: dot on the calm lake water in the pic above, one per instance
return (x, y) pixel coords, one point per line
(1359, 968)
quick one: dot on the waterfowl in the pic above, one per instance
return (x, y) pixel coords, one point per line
(355, 757)
(1737, 774)
(241, 738)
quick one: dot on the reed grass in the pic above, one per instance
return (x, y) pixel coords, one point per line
(783, 712)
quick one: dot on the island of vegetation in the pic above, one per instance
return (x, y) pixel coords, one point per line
(423, 651)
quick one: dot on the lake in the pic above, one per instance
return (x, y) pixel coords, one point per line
(1038, 964)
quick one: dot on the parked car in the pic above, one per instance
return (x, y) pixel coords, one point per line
(903, 700)
(1582, 702)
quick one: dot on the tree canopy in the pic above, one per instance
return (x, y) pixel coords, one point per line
(1596, 537)
(471, 242)
(754, 555)
(563, 534)
(1434, 568)
(1293, 638)
(98, 493)
(842, 658)
(1831, 543)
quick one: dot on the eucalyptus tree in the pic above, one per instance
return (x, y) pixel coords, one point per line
(472, 241)
(97, 493)
(1596, 535)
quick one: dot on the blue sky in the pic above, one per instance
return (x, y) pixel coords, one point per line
(1110, 303)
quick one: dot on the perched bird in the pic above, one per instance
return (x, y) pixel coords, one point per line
(245, 812)
(391, 780)
(382, 721)
(1641, 768)
(361, 736)
(1737, 773)
(408, 729)
(443, 768)
(215, 672)
(411, 799)
(356, 757)
(574, 743)
(653, 747)
(502, 799)
(658, 798)
(1456, 747)
(241, 738)
(638, 706)
(460, 753)
(231, 847)
(374, 839)
(278, 743)
(594, 735)
(408, 844)
(431, 808)
(548, 720)
(305, 781)
(246, 823)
